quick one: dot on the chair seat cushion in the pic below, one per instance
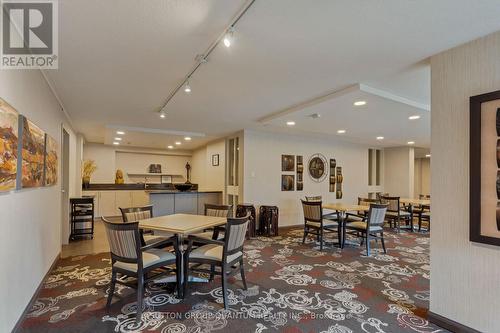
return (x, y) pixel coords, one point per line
(149, 258)
(209, 235)
(362, 226)
(212, 252)
(326, 223)
(402, 213)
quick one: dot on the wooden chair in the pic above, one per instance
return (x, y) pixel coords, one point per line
(425, 216)
(129, 258)
(227, 254)
(315, 223)
(219, 211)
(394, 213)
(360, 215)
(134, 214)
(372, 228)
(314, 198)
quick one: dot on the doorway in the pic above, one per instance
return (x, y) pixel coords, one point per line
(65, 187)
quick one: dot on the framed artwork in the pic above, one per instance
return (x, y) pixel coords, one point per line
(300, 186)
(317, 167)
(287, 162)
(287, 182)
(215, 160)
(51, 161)
(9, 127)
(33, 154)
(484, 223)
(300, 173)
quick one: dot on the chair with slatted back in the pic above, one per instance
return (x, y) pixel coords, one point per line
(218, 211)
(372, 228)
(129, 258)
(226, 255)
(394, 212)
(134, 214)
(360, 215)
(329, 216)
(315, 223)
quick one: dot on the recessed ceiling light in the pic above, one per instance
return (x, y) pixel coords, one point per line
(341, 131)
(162, 114)
(380, 138)
(118, 139)
(228, 38)
(428, 155)
(290, 123)
(187, 87)
(415, 117)
(116, 143)
(178, 142)
(170, 147)
(411, 142)
(315, 115)
(187, 138)
(120, 132)
(360, 103)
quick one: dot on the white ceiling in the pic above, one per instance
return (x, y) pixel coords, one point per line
(119, 67)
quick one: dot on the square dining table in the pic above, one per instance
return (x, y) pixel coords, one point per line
(181, 225)
(342, 210)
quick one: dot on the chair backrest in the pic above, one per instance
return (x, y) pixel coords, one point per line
(218, 210)
(313, 211)
(376, 215)
(393, 204)
(424, 196)
(133, 214)
(124, 240)
(365, 202)
(236, 230)
(379, 196)
(314, 198)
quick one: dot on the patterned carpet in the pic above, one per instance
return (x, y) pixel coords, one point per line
(292, 288)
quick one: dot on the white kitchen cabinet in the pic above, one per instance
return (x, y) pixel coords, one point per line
(123, 200)
(107, 203)
(140, 198)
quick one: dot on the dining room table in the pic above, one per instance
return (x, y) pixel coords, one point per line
(410, 203)
(181, 225)
(342, 209)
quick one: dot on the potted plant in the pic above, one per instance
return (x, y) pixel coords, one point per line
(88, 169)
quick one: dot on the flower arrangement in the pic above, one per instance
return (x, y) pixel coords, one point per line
(88, 169)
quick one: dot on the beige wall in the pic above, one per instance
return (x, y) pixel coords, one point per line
(262, 171)
(464, 276)
(207, 176)
(422, 176)
(31, 218)
(133, 160)
(399, 171)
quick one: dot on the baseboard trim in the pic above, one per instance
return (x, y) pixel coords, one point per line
(449, 324)
(34, 297)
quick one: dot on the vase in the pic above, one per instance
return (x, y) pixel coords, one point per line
(86, 182)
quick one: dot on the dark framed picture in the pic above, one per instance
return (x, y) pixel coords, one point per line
(287, 162)
(215, 160)
(300, 186)
(317, 167)
(484, 223)
(287, 182)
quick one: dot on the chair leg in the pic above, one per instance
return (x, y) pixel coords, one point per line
(320, 236)
(367, 244)
(212, 272)
(111, 289)
(224, 286)
(242, 272)
(186, 275)
(140, 296)
(399, 224)
(383, 243)
(420, 222)
(306, 231)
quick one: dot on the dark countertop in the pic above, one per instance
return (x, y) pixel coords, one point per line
(132, 187)
(175, 191)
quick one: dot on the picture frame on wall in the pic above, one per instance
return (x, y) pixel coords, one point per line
(287, 182)
(9, 136)
(287, 162)
(215, 160)
(484, 177)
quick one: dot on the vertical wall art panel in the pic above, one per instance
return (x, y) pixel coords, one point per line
(340, 180)
(300, 173)
(485, 168)
(51, 161)
(33, 155)
(9, 119)
(333, 165)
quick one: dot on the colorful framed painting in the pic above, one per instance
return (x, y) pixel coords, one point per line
(33, 154)
(9, 137)
(51, 160)
(484, 223)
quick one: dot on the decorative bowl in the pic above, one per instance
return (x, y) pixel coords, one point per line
(183, 187)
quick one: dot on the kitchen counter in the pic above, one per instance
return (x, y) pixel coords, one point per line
(188, 202)
(132, 187)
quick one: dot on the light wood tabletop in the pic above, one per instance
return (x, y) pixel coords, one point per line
(341, 207)
(410, 201)
(182, 224)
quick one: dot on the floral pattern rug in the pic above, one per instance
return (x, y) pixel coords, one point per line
(292, 288)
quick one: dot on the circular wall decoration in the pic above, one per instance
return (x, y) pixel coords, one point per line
(317, 167)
